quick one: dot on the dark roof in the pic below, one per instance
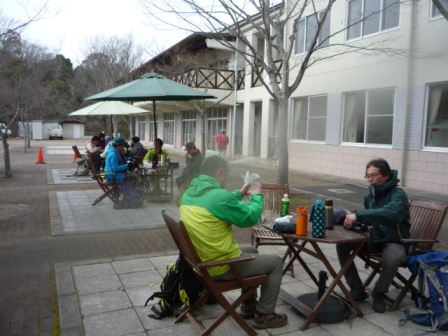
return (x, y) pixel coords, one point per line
(193, 42)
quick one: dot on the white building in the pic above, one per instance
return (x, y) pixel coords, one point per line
(349, 109)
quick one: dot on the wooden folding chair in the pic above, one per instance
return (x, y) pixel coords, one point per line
(248, 285)
(426, 222)
(273, 193)
(109, 189)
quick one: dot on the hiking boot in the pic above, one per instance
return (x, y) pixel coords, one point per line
(359, 294)
(265, 321)
(247, 310)
(379, 302)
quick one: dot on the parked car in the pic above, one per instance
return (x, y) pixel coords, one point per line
(55, 132)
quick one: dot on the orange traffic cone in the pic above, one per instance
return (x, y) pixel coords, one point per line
(75, 157)
(40, 156)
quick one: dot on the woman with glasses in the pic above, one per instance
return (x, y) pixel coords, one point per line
(387, 213)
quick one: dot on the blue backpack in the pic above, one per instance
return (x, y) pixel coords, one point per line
(432, 303)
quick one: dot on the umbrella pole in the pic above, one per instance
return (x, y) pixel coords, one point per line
(155, 121)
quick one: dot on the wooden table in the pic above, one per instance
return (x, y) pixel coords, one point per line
(156, 183)
(309, 245)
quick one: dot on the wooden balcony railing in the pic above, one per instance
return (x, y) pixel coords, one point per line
(256, 80)
(211, 79)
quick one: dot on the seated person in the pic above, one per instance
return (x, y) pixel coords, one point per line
(209, 211)
(193, 159)
(115, 170)
(387, 211)
(93, 151)
(155, 154)
(108, 140)
(136, 150)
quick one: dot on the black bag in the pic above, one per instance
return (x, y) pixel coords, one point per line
(179, 289)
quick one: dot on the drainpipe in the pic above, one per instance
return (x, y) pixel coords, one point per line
(409, 91)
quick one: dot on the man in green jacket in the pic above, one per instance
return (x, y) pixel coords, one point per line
(387, 212)
(209, 211)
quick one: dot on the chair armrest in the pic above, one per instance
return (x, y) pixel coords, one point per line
(225, 262)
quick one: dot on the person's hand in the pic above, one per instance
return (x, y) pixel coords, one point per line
(349, 219)
(254, 189)
(245, 188)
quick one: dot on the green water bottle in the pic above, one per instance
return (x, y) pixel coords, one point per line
(284, 206)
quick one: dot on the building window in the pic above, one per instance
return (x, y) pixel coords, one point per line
(151, 129)
(306, 28)
(216, 121)
(141, 129)
(188, 126)
(368, 116)
(309, 118)
(435, 13)
(168, 128)
(366, 17)
(437, 116)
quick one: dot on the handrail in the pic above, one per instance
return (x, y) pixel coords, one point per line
(208, 78)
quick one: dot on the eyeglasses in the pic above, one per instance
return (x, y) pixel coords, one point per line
(373, 175)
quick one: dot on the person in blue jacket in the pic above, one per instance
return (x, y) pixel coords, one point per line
(116, 172)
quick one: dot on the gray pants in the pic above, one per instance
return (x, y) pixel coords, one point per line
(393, 255)
(272, 266)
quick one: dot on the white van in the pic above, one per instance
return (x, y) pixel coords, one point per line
(55, 131)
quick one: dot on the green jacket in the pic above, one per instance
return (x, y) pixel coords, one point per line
(208, 212)
(387, 210)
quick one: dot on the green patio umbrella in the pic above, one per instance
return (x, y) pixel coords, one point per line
(112, 108)
(153, 87)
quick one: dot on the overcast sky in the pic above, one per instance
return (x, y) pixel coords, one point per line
(70, 23)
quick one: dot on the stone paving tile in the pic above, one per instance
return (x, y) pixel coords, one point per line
(69, 311)
(139, 295)
(139, 279)
(132, 265)
(93, 270)
(103, 302)
(97, 284)
(116, 323)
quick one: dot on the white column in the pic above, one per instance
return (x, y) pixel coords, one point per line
(178, 130)
(248, 128)
(267, 122)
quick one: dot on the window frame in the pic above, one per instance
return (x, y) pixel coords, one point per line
(171, 123)
(425, 122)
(306, 140)
(362, 35)
(189, 119)
(431, 10)
(296, 53)
(366, 104)
(213, 116)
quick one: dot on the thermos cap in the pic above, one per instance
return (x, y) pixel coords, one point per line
(328, 202)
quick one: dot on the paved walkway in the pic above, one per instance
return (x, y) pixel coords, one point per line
(106, 297)
(66, 176)
(72, 212)
(30, 299)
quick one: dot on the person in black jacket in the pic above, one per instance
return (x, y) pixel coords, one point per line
(193, 159)
(387, 212)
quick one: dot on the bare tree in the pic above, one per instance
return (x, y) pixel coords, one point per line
(108, 62)
(443, 9)
(9, 33)
(276, 69)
